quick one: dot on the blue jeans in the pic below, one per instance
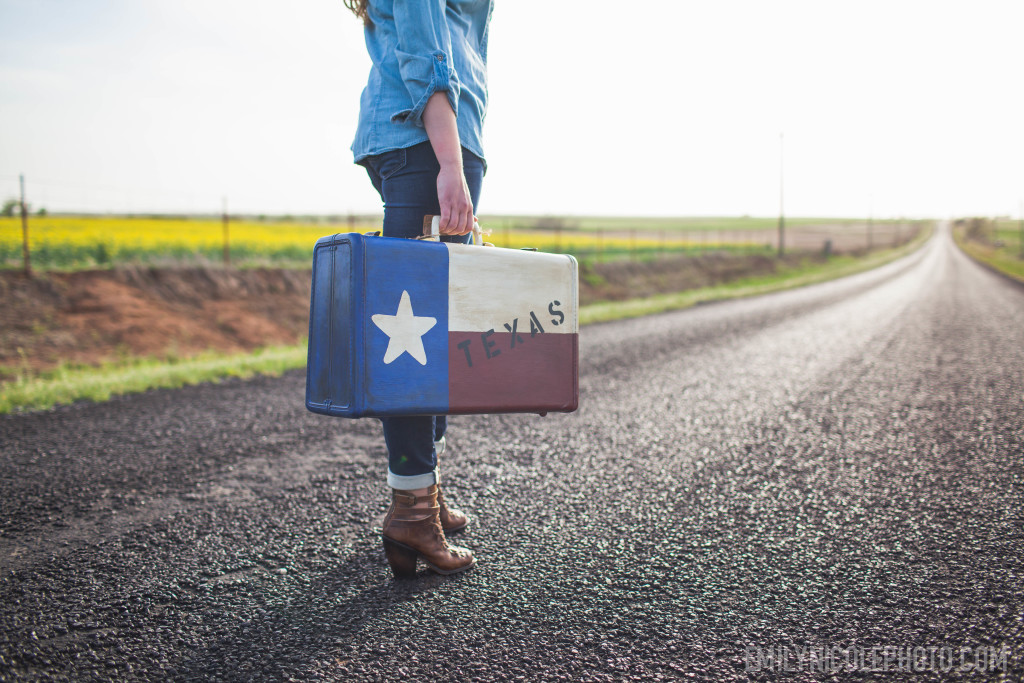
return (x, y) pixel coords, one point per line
(407, 182)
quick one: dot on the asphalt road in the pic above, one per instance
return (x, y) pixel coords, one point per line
(827, 481)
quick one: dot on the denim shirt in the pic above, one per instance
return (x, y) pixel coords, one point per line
(419, 47)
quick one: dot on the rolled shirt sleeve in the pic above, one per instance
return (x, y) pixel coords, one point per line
(418, 48)
(424, 55)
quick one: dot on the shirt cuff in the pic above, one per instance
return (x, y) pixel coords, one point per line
(442, 78)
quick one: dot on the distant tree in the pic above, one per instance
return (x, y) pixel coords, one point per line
(979, 229)
(9, 206)
(549, 223)
(41, 211)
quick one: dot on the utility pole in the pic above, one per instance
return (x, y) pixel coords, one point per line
(224, 221)
(24, 229)
(782, 213)
(871, 220)
(1022, 229)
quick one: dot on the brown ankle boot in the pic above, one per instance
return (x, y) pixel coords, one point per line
(411, 532)
(452, 520)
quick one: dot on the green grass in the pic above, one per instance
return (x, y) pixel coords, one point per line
(656, 223)
(1002, 250)
(68, 384)
(808, 272)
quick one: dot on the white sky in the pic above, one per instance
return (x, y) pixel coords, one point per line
(671, 107)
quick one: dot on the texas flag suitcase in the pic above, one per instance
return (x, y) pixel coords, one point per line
(413, 327)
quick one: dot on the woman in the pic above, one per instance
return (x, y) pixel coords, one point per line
(419, 138)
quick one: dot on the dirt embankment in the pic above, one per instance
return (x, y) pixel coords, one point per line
(91, 316)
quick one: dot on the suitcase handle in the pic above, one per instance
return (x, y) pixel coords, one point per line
(432, 231)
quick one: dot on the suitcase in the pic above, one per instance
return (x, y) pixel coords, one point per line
(413, 327)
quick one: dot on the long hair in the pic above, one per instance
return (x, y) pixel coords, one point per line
(358, 8)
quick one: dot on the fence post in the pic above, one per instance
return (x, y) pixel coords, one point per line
(1022, 230)
(24, 229)
(782, 195)
(224, 221)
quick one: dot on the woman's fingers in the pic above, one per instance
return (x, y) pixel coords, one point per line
(455, 201)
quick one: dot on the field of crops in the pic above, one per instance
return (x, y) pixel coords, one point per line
(1009, 235)
(999, 243)
(69, 242)
(73, 242)
(674, 224)
(63, 242)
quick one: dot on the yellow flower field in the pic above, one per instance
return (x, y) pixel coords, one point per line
(64, 241)
(76, 242)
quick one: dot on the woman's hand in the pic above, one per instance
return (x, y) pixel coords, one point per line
(452, 190)
(456, 203)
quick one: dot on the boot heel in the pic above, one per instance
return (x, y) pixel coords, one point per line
(401, 558)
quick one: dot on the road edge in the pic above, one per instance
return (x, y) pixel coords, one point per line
(98, 385)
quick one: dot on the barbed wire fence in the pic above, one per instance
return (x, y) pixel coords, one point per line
(31, 199)
(35, 198)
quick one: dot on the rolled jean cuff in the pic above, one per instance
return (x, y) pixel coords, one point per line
(416, 481)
